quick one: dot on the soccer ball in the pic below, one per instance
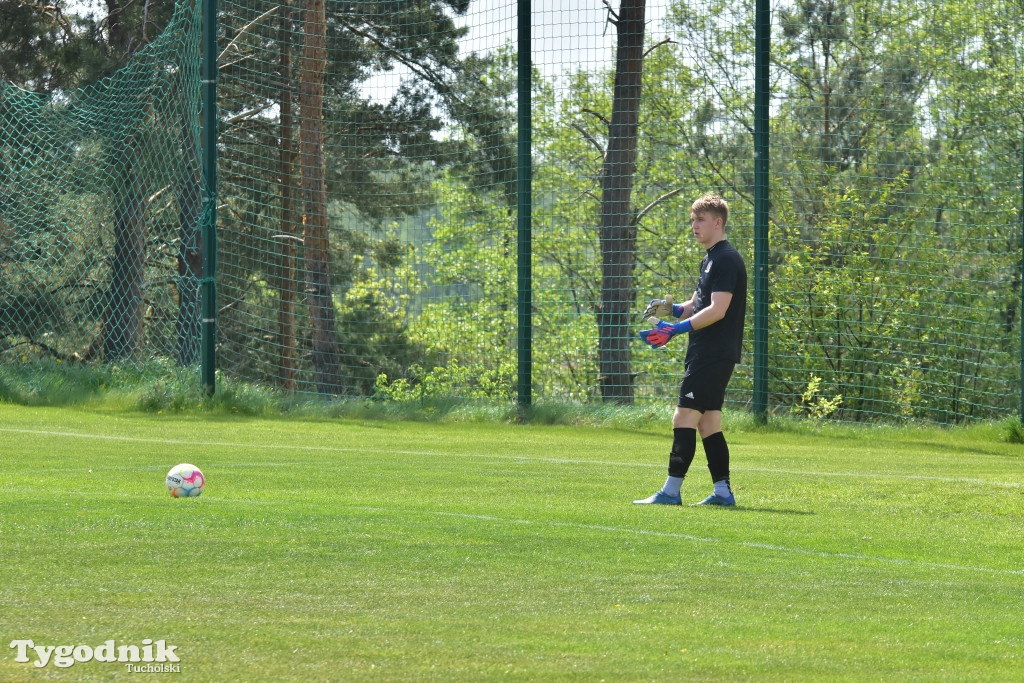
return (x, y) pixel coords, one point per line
(185, 481)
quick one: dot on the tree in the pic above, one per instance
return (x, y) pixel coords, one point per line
(319, 295)
(46, 47)
(289, 222)
(187, 191)
(469, 254)
(380, 158)
(618, 218)
(65, 56)
(122, 319)
(881, 285)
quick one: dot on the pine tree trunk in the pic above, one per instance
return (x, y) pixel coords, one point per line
(326, 356)
(122, 319)
(122, 323)
(618, 219)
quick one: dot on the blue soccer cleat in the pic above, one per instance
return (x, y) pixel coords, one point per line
(660, 498)
(715, 499)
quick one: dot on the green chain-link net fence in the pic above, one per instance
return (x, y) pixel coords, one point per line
(896, 209)
(100, 196)
(367, 201)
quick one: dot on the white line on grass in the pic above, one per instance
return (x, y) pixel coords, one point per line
(436, 454)
(744, 544)
(880, 475)
(771, 547)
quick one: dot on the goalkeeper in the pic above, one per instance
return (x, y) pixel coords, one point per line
(713, 317)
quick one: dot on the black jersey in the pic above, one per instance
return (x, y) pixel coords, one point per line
(721, 270)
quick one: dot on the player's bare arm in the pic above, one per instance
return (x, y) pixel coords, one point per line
(714, 312)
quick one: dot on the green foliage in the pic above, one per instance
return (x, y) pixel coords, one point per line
(881, 285)
(895, 199)
(57, 46)
(884, 291)
(94, 174)
(382, 156)
(444, 381)
(50, 381)
(473, 247)
(1014, 430)
(814, 405)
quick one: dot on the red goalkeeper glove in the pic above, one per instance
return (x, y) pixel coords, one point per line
(660, 335)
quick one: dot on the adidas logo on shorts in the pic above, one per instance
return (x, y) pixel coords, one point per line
(688, 395)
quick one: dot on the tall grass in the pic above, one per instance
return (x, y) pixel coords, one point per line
(163, 388)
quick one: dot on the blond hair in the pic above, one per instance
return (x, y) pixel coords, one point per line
(713, 204)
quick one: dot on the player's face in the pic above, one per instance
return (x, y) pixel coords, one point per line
(707, 228)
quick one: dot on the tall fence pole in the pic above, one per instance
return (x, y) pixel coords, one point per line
(524, 210)
(208, 282)
(762, 85)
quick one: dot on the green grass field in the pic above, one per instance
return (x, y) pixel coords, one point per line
(360, 550)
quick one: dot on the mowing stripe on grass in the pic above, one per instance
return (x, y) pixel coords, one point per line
(436, 454)
(743, 544)
(884, 475)
(629, 531)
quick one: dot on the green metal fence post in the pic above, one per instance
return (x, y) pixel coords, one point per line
(524, 208)
(762, 48)
(208, 281)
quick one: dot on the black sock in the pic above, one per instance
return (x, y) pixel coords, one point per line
(717, 452)
(684, 445)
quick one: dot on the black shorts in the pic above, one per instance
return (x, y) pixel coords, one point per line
(703, 388)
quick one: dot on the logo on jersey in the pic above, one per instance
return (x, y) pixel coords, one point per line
(708, 268)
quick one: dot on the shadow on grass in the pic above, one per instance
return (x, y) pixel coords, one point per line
(773, 511)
